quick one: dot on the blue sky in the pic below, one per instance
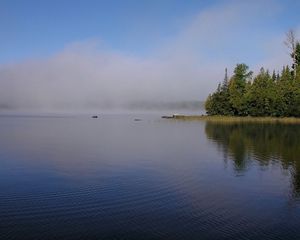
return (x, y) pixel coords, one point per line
(64, 51)
(37, 28)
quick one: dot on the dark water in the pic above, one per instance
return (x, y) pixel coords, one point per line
(116, 178)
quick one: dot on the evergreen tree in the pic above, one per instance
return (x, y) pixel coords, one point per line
(226, 106)
(237, 89)
(225, 81)
(274, 76)
(261, 96)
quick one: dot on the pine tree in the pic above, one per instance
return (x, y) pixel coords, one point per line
(225, 81)
(274, 76)
(237, 89)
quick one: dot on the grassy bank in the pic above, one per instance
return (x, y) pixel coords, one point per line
(229, 119)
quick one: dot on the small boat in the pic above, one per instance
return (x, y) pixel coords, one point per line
(94, 116)
(167, 117)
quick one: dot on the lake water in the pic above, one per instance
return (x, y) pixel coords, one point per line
(75, 177)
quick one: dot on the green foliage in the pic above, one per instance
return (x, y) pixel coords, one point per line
(276, 95)
(237, 89)
(261, 95)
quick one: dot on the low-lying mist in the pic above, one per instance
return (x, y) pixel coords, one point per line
(80, 79)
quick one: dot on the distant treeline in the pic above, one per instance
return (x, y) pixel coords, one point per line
(155, 105)
(266, 94)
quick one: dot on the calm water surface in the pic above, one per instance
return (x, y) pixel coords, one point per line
(115, 178)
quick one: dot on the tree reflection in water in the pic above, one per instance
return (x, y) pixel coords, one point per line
(245, 143)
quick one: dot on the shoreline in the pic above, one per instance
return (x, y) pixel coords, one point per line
(235, 119)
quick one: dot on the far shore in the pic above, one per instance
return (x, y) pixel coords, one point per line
(231, 119)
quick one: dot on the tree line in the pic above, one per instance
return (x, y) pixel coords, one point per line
(266, 94)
